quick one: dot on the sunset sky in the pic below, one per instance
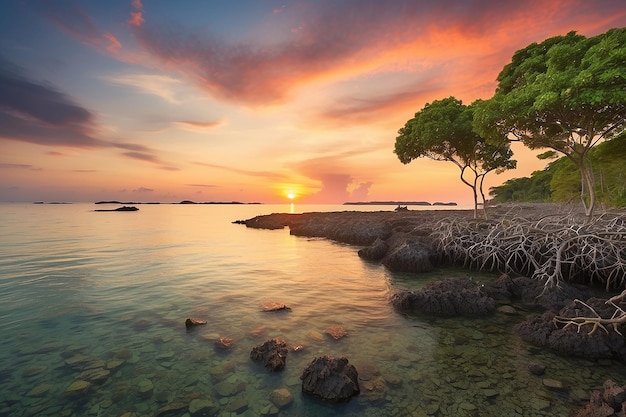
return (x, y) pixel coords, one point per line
(159, 100)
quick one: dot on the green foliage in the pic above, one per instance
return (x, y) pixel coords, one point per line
(443, 131)
(561, 182)
(566, 94)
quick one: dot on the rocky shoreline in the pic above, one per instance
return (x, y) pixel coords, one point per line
(409, 241)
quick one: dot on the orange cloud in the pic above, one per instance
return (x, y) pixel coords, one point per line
(335, 41)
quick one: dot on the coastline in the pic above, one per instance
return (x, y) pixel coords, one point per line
(564, 315)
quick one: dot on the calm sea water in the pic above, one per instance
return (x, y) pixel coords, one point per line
(93, 305)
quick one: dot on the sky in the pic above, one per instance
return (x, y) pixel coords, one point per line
(252, 100)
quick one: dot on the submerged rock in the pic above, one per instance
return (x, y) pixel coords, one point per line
(281, 397)
(336, 331)
(272, 353)
(331, 379)
(200, 407)
(78, 388)
(224, 343)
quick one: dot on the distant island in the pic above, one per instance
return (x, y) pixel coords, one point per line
(123, 208)
(181, 202)
(397, 203)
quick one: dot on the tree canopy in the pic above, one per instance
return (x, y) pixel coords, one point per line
(566, 94)
(443, 131)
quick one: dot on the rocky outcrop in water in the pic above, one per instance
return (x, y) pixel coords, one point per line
(409, 253)
(331, 379)
(609, 401)
(534, 292)
(541, 330)
(272, 353)
(447, 298)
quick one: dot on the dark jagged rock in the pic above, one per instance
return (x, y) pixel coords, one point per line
(331, 379)
(540, 330)
(605, 403)
(534, 292)
(447, 298)
(408, 253)
(375, 252)
(272, 353)
(191, 322)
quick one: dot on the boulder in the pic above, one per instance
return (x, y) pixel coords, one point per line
(408, 253)
(447, 298)
(330, 379)
(281, 397)
(272, 353)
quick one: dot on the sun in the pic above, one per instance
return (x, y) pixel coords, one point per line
(291, 195)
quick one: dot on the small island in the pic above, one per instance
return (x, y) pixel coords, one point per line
(123, 208)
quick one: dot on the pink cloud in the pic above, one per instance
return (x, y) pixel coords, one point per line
(136, 4)
(113, 45)
(136, 19)
(334, 40)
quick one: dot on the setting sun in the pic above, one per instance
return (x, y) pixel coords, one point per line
(291, 195)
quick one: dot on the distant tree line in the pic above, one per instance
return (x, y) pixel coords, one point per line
(560, 181)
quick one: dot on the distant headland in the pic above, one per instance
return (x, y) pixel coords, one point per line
(397, 203)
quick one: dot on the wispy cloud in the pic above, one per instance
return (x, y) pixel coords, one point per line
(274, 176)
(161, 86)
(197, 126)
(202, 185)
(76, 22)
(19, 166)
(143, 190)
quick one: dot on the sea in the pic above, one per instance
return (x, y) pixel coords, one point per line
(93, 308)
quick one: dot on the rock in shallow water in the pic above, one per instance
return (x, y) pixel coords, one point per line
(331, 379)
(272, 353)
(447, 298)
(281, 397)
(191, 322)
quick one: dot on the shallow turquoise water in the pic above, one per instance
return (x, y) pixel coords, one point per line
(102, 298)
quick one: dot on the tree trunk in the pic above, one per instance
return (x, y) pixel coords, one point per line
(482, 194)
(588, 189)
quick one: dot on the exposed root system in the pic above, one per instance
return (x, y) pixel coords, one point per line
(553, 249)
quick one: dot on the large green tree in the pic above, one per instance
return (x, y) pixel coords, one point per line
(443, 131)
(567, 94)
